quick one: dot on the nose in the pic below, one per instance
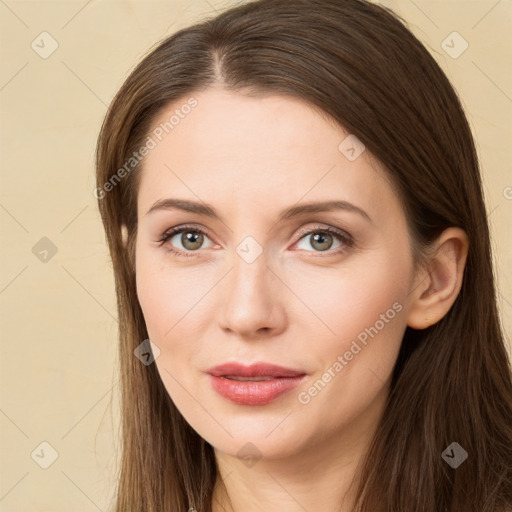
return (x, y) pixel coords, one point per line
(253, 300)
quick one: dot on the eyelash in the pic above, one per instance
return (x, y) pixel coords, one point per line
(346, 239)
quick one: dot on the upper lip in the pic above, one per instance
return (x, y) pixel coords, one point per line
(253, 370)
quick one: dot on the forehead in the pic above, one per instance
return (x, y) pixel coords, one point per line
(264, 151)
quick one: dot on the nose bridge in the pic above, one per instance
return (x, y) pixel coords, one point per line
(251, 299)
(249, 282)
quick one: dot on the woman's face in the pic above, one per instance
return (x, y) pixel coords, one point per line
(256, 279)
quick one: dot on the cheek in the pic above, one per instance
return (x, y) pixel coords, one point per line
(349, 299)
(362, 310)
(366, 311)
(172, 299)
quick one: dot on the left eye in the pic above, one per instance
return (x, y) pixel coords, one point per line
(322, 240)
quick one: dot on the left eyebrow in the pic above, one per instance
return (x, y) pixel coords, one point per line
(207, 210)
(323, 206)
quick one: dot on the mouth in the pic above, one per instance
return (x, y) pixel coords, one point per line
(247, 379)
(256, 370)
(257, 384)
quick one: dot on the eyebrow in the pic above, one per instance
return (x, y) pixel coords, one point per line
(207, 210)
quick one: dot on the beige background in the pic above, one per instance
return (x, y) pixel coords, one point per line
(58, 317)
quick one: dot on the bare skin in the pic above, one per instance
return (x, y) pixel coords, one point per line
(302, 303)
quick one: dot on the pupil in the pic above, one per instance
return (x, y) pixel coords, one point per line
(191, 240)
(321, 238)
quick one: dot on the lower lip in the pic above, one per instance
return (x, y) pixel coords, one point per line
(254, 392)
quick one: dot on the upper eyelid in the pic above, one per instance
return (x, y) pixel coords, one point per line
(330, 229)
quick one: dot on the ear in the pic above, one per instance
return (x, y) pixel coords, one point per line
(439, 281)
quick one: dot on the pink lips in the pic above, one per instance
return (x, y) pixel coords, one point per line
(273, 381)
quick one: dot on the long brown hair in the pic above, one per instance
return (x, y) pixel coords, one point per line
(358, 63)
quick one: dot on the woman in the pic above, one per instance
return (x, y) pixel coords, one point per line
(293, 206)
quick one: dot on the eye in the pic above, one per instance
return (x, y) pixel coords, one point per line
(188, 240)
(324, 239)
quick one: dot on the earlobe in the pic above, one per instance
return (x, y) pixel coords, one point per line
(124, 233)
(440, 280)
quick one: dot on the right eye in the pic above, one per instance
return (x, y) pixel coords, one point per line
(188, 240)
